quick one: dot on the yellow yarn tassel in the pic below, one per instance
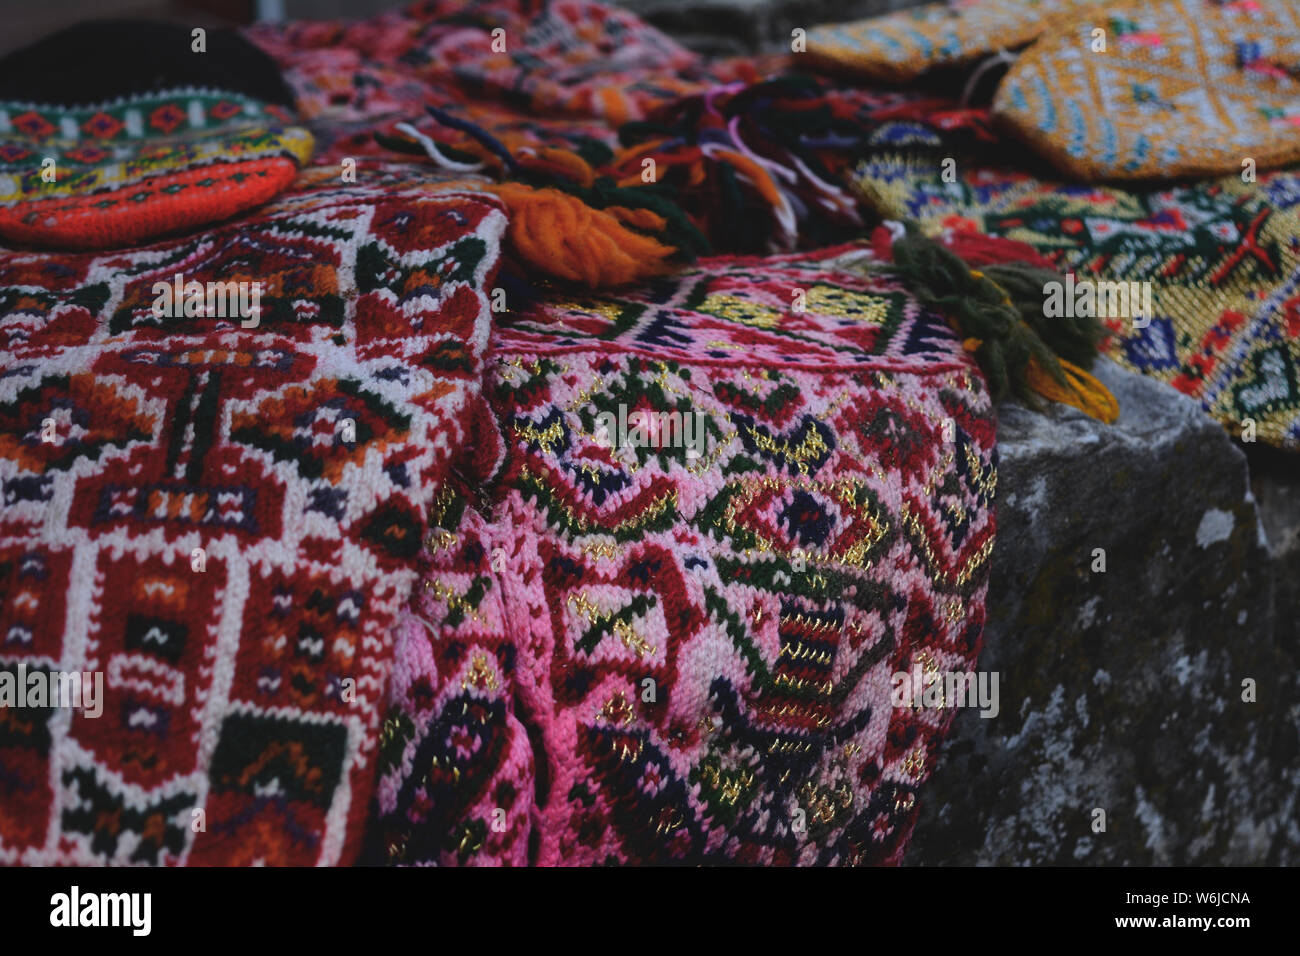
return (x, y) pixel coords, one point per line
(1083, 391)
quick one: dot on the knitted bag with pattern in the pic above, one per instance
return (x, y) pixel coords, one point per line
(142, 166)
(622, 652)
(221, 521)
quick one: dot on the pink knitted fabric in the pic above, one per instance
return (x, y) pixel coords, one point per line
(636, 654)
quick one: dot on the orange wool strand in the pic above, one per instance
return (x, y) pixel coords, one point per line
(757, 175)
(638, 218)
(560, 235)
(614, 106)
(639, 150)
(570, 165)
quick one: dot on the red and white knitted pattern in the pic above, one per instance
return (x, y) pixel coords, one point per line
(225, 521)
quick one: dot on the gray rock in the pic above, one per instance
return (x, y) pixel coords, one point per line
(1122, 690)
(1275, 479)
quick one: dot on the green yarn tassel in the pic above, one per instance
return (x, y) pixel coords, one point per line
(1073, 338)
(679, 232)
(1002, 307)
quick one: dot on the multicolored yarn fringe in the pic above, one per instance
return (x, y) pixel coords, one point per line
(1184, 88)
(143, 166)
(222, 520)
(732, 168)
(628, 654)
(1221, 257)
(745, 168)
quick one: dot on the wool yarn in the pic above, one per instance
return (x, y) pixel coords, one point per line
(120, 173)
(742, 167)
(756, 166)
(559, 234)
(999, 310)
(222, 520)
(1184, 88)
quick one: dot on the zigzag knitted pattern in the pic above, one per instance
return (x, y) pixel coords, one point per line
(300, 457)
(699, 647)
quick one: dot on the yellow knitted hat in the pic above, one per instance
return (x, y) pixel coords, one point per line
(1161, 88)
(897, 47)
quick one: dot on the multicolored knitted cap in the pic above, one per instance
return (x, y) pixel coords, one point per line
(898, 47)
(123, 172)
(1180, 88)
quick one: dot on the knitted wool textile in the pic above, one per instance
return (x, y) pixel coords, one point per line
(908, 119)
(898, 47)
(301, 456)
(534, 75)
(627, 653)
(140, 167)
(565, 57)
(1222, 258)
(1184, 88)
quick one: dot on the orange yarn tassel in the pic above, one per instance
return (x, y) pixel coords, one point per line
(638, 151)
(569, 165)
(642, 219)
(1083, 391)
(562, 236)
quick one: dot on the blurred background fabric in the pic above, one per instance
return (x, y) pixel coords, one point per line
(709, 26)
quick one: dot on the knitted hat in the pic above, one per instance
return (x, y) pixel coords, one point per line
(120, 173)
(1183, 88)
(898, 47)
(165, 138)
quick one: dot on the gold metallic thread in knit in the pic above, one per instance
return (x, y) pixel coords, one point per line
(624, 631)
